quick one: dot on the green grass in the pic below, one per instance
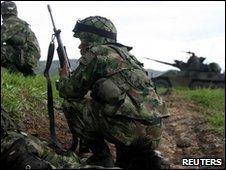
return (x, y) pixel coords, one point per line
(212, 105)
(25, 95)
(28, 95)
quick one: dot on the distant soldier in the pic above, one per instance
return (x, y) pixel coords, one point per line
(20, 49)
(194, 63)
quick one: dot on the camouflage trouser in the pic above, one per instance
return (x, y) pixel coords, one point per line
(17, 60)
(39, 149)
(89, 120)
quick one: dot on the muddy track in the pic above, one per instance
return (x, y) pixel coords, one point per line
(185, 134)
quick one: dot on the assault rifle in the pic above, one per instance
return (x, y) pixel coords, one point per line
(61, 50)
(64, 62)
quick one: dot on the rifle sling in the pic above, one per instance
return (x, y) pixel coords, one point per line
(50, 96)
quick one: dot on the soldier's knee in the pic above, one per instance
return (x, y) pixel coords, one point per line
(4, 56)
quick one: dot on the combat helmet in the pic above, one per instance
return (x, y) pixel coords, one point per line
(95, 30)
(8, 7)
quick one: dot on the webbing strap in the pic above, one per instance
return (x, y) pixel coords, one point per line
(94, 30)
(149, 122)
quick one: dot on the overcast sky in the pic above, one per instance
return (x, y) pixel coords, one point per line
(156, 29)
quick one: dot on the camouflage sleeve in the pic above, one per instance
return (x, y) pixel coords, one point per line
(80, 81)
(4, 34)
(10, 29)
(42, 150)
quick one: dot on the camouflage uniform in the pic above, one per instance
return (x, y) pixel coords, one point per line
(21, 151)
(194, 63)
(124, 107)
(20, 49)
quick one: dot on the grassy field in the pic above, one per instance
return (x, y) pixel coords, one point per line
(28, 95)
(209, 102)
(25, 95)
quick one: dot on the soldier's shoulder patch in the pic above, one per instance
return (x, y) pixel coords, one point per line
(100, 50)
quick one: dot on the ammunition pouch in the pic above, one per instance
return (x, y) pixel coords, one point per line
(17, 156)
(106, 91)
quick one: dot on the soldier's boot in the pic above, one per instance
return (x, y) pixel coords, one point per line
(83, 147)
(163, 161)
(17, 156)
(101, 154)
(129, 159)
(74, 143)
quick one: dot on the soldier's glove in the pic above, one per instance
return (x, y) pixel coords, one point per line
(17, 156)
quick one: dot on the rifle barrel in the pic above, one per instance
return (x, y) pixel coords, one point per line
(51, 16)
(61, 49)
